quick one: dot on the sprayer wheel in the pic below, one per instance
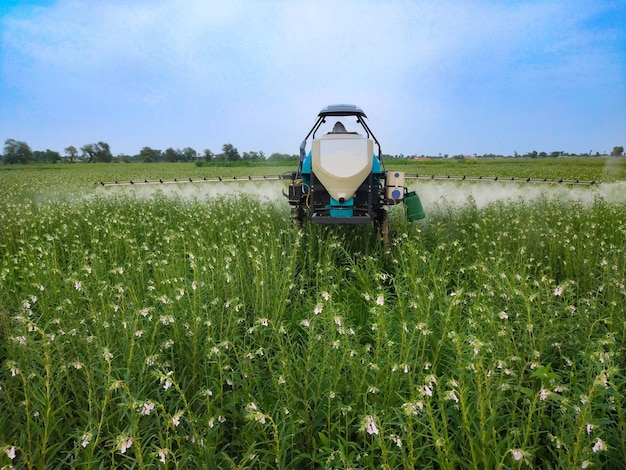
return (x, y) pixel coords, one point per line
(384, 231)
(382, 224)
(296, 218)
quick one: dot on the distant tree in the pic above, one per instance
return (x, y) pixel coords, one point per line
(171, 155)
(281, 157)
(47, 156)
(148, 155)
(208, 155)
(16, 151)
(617, 151)
(89, 150)
(189, 155)
(99, 152)
(252, 156)
(230, 153)
(71, 153)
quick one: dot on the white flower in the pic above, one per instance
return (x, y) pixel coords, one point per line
(380, 300)
(124, 443)
(146, 408)
(166, 320)
(107, 354)
(599, 445)
(412, 408)
(78, 286)
(167, 384)
(325, 296)
(318, 309)
(162, 454)
(370, 425)
(396, 440)
(86, 439)
(503, 315)
(11, 452)
(558, 291)
(176, 418)
(450, 395)
(518, 454)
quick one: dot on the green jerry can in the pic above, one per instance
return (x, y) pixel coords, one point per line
(414, 209)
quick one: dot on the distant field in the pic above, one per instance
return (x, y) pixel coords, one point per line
(195, 328)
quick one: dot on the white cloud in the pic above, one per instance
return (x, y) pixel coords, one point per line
(224, 70)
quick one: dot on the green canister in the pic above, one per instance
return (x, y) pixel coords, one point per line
(414, 209)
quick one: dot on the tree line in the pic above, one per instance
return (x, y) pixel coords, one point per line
(20, 152)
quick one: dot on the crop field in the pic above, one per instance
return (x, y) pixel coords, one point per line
(191, 326)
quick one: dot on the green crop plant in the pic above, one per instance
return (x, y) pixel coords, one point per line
(173, 331)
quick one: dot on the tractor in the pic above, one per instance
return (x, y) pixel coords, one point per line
(342, 178)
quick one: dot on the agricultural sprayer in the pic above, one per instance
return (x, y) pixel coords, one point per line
(342, 178)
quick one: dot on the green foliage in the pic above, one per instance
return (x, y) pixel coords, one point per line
(283, 157)
(17, 152)
(149, 155)
(99, 152)
(174, 332)
(230, 153)
(594, 169)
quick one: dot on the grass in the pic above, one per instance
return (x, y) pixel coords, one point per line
(177, 332)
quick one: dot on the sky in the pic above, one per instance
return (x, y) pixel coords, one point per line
(433, 76)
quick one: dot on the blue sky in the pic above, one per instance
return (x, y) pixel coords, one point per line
(448, 76)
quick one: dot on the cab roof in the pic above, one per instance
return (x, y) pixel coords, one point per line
(342, 110)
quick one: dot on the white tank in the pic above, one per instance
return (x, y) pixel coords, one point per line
(342, 162)
(394, 185)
